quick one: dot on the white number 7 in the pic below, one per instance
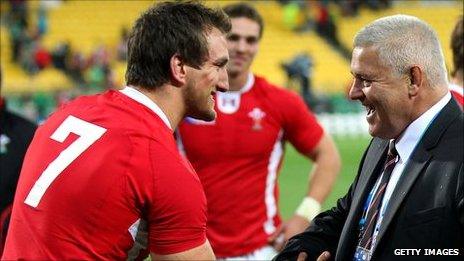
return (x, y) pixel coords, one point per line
(88, 134)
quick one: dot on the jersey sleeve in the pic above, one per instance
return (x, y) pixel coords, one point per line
(301, 128)
(177, 215)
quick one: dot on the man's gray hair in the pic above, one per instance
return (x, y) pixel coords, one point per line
(402, 41)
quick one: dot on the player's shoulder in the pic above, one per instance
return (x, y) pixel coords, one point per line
(272, 90)
(120, 115)
(278, 96)
(111, 107)
(98, 99)
(80, 103)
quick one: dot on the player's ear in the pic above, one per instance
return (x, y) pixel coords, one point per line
(178, 71)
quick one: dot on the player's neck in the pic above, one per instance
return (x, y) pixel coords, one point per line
(168, 102)
(236, 82)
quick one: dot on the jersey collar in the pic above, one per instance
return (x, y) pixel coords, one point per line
(132, 93)
(245, 88)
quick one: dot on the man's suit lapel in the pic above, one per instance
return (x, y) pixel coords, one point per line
(418, 160)
(374, 159)
(412, 170)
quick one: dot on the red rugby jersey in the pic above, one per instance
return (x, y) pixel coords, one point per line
(93, 170)
(238, 157)
(458, 93)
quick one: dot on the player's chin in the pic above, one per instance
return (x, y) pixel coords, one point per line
(210, 115)
(205, 115)
(234, 69)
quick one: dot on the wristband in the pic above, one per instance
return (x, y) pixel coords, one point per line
(309, 208)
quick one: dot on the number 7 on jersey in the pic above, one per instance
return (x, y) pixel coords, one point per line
(88, 133)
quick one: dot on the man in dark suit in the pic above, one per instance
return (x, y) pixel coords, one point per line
(407, 201)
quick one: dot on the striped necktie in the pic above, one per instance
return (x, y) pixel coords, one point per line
(369, 218)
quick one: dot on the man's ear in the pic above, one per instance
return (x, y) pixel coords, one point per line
(416, 78)
(178, 71)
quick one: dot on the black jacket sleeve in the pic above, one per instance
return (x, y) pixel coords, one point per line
(324, 231)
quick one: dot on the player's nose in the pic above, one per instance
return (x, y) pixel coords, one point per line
(223, 83)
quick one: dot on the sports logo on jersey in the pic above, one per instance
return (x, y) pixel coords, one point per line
(257, 115)
(228, 102)
(193, 121)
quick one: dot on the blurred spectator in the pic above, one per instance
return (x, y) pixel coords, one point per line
(296, 14)
(42, 21)
(64, 96)
(291, 11)
(100, 55)
(42, 57)
(76, 68)
(17, 24)
(29, 108)
(60, 56)
(27, 55)
(351, 7)
(98, 75)
(19, 7)
(17, 34)
(326, 27)
(377, 4)
(122, 46)
(300, 69)
(44, 105)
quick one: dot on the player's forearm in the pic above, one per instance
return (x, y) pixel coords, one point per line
(326, 167)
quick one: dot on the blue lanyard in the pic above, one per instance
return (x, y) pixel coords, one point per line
(367, 203)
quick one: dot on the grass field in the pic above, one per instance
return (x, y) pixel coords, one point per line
(294, 174)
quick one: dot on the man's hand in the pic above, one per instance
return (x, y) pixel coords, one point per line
(288, 229)
(323, 257)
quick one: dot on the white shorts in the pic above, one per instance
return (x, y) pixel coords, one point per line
(264, 253)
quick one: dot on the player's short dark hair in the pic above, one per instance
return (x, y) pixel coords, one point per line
(457, 47)
(167, 29)
(245, 10)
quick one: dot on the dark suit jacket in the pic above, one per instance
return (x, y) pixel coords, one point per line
(426, 210)
(19, 133)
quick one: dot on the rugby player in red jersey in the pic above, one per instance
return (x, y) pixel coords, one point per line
(105, 167)
(238, 156)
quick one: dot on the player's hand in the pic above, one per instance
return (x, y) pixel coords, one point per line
(276, 239)
(295, 225)
(325, 256)
(288, 229)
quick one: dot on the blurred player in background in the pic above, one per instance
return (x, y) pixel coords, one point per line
(15, 135)
(457, 46)
(238, 156)
(103, 166)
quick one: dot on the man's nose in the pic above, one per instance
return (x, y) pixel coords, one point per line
(241, 45)
(223, 83)
(355, 92)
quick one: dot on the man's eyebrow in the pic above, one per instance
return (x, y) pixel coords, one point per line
(362, 75)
